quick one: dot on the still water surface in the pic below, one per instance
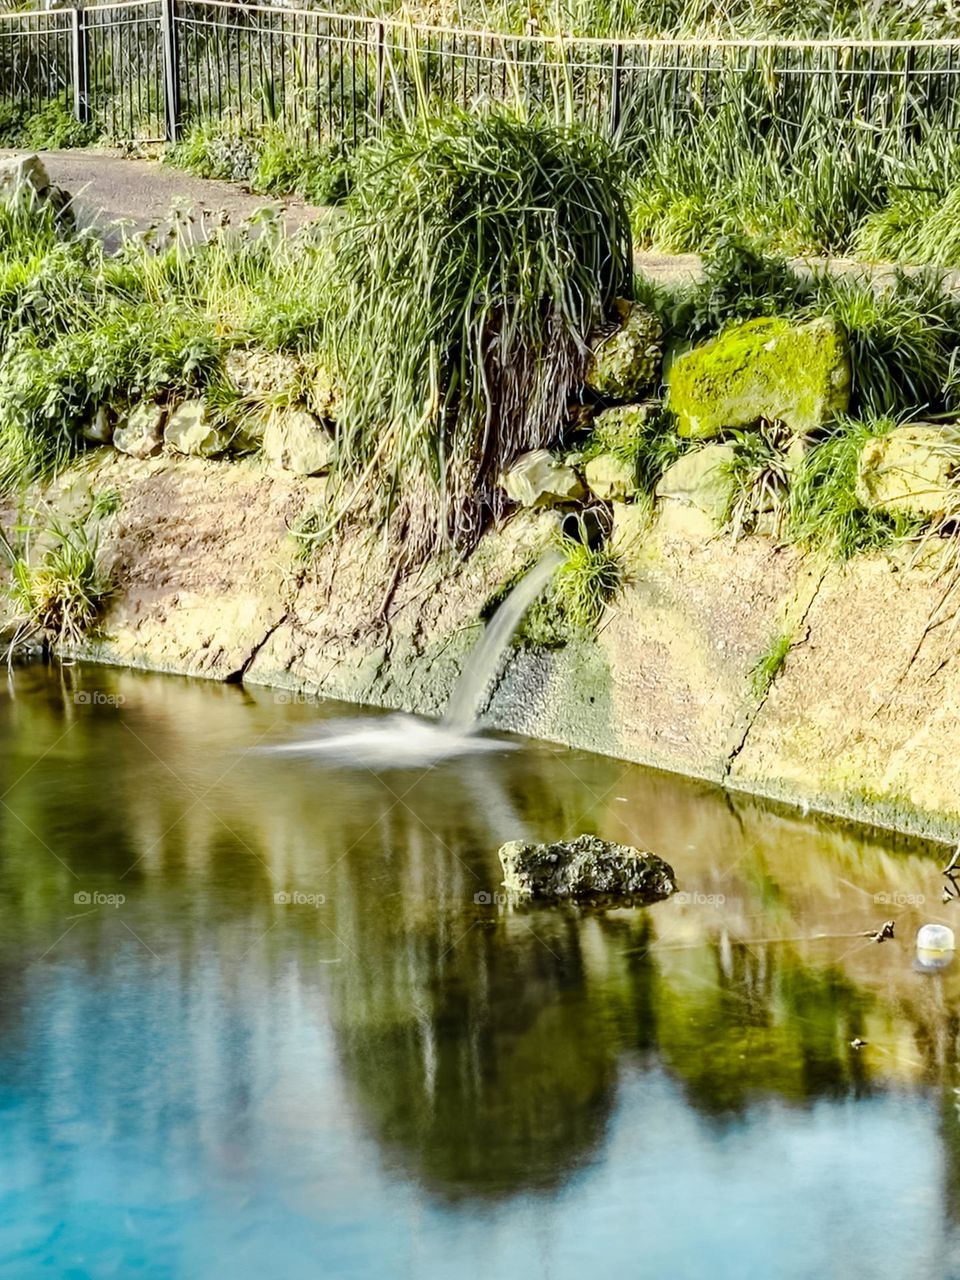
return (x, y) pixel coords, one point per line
(262, 1015)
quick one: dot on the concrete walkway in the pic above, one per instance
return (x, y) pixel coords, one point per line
(109, 188)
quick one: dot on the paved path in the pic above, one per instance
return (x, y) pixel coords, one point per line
(108, 187)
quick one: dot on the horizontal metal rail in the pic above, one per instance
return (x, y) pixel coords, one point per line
(145, 69)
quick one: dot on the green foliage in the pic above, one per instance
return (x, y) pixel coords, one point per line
(53, 128)
(760, 472)
(63, 593)
(476, 254)
(824, 510)
(736, 165)
(646, 440)
(903, 340)
(270, 160)
(739, 282)
(584, 584)
(572, 605)
(769, 664)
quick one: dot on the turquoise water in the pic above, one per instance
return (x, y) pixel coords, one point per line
(263, 1015)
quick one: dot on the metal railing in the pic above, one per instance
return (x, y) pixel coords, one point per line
(146, 69)
(37, 52)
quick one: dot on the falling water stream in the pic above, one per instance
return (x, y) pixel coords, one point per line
(483, 664)
(406, 739)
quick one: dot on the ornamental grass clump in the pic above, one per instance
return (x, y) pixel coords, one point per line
(477, 254)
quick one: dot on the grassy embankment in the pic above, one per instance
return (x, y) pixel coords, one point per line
(451, 306)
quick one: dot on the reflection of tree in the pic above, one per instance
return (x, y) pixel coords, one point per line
(758, 1022)
(483, 1044)
(498, 1070)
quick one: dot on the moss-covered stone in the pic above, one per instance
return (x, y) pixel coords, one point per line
(626, 363)
(771, 369)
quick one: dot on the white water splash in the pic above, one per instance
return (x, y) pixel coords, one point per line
(401, 741)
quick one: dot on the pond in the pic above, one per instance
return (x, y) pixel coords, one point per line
(265, 1014)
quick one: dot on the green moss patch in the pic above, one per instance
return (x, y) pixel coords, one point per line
(767, 369)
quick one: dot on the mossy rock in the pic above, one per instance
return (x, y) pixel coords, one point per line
(626, 363)
(770, 369)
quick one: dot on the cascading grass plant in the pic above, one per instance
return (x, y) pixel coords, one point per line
(64, 592)
(824, 510)
(476, 256)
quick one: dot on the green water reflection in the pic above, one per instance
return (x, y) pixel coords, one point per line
(289, 929)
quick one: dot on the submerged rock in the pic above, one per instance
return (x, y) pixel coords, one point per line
(141, 433)
(911, 469)
(771, 369)
(295, 441)
(587, 867)
(191, 430)
(627, 363)
(539, 479)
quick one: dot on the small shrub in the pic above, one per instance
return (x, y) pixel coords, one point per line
(55, 128)
(64, 594)
(760, 474)
(903, 340)
(476, 255)
(824, 511)
(769, 664)
(584, 583)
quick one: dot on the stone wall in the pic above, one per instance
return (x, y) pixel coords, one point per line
(859, 719)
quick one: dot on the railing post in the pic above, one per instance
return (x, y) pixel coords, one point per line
(171, 68)
(615, 92)
(905, 104)
(80, 41)
(381, 72)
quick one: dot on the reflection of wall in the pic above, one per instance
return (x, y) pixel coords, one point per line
(482, 1047)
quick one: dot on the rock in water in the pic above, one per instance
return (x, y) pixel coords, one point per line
(587, 867)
